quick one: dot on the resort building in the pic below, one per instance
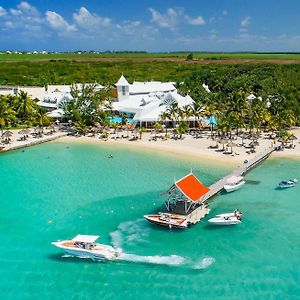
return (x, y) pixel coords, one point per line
(50, 97)
(146, 101)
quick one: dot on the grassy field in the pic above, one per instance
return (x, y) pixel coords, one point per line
(142, 55)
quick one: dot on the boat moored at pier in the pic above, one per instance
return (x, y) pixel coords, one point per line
(234, 183)
(169, 220)
(184, 204)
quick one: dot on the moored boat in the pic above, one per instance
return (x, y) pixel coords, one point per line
(84, 246)
(236, 214)
(287, 183)
(234, 183)
(225, 221)
(168, 220)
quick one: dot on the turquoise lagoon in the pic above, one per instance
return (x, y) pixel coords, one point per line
(57, 190)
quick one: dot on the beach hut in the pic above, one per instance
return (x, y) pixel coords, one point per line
(185, 194)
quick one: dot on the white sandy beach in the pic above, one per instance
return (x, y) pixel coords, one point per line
(189, 146)
(194, 147)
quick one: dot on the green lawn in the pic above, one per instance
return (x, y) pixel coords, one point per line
(197, 55)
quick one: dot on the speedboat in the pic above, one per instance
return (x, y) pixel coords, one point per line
(234, 183)
(169, 220)
(287, 183)
(236, 214)
(84, 246)
(225, 220)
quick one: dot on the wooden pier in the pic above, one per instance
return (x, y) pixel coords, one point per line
(196, 215)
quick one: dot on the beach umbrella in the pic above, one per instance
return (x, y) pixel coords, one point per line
(222, 142)
(244, 136)
(7, 134)
(293, 138)
(23, 132)
(254, 143)
(231, 145)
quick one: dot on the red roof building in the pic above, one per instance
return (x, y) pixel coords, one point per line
(185, 194)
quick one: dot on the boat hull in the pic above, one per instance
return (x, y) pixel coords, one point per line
(224, 222)
(106, 253)
(231, 188)
(173, 222)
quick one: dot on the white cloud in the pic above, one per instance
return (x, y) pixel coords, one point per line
(167, 20)
(92, 22)
(3, 11)
(26, 8)
(196, 21)
(57, 22)
(246, 21)
(224, 12)
(173, 17)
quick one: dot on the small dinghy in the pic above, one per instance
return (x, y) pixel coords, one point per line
(231, 218)
(287, 183)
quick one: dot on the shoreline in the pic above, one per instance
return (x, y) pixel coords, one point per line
(189, 147)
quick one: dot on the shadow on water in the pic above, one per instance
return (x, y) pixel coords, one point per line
(249, 181)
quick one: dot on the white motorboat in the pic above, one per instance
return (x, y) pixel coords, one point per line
(225, 221)
(234, 183)
(84, 246)
(287, 183)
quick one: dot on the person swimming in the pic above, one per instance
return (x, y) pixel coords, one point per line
(110, 156)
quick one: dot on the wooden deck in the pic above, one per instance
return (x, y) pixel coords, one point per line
(215, 188)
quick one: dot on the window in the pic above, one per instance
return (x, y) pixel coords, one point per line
(123, 90)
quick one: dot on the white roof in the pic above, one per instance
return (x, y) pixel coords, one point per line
(122, 81)
(134, 103)
(234, 179)
(150, 115)
(151, 87)
(85, 238)
(47, 104)
(57, 113)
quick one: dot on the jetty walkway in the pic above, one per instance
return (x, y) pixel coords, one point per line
(197, 214)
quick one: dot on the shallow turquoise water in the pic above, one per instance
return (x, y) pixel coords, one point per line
(56, 190)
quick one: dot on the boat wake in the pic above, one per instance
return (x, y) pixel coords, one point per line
(203, 263)
(129, 233)
(132, 232)
(171, 260)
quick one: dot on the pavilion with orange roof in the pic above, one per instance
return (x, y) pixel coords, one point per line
(185, 194)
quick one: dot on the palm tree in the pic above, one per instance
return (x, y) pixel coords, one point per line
(196, 110)
(186, 113)
(7, 114)
(25, 106)
(172, 111)
(165, 117)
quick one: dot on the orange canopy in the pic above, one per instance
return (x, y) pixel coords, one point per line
(191, 187)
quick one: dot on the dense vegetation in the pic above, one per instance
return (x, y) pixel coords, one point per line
(21, 110)
(276, 87)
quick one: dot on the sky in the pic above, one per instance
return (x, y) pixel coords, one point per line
(150, 25)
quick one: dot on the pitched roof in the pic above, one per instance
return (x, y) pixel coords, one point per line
(191, 187)
(122, 81)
